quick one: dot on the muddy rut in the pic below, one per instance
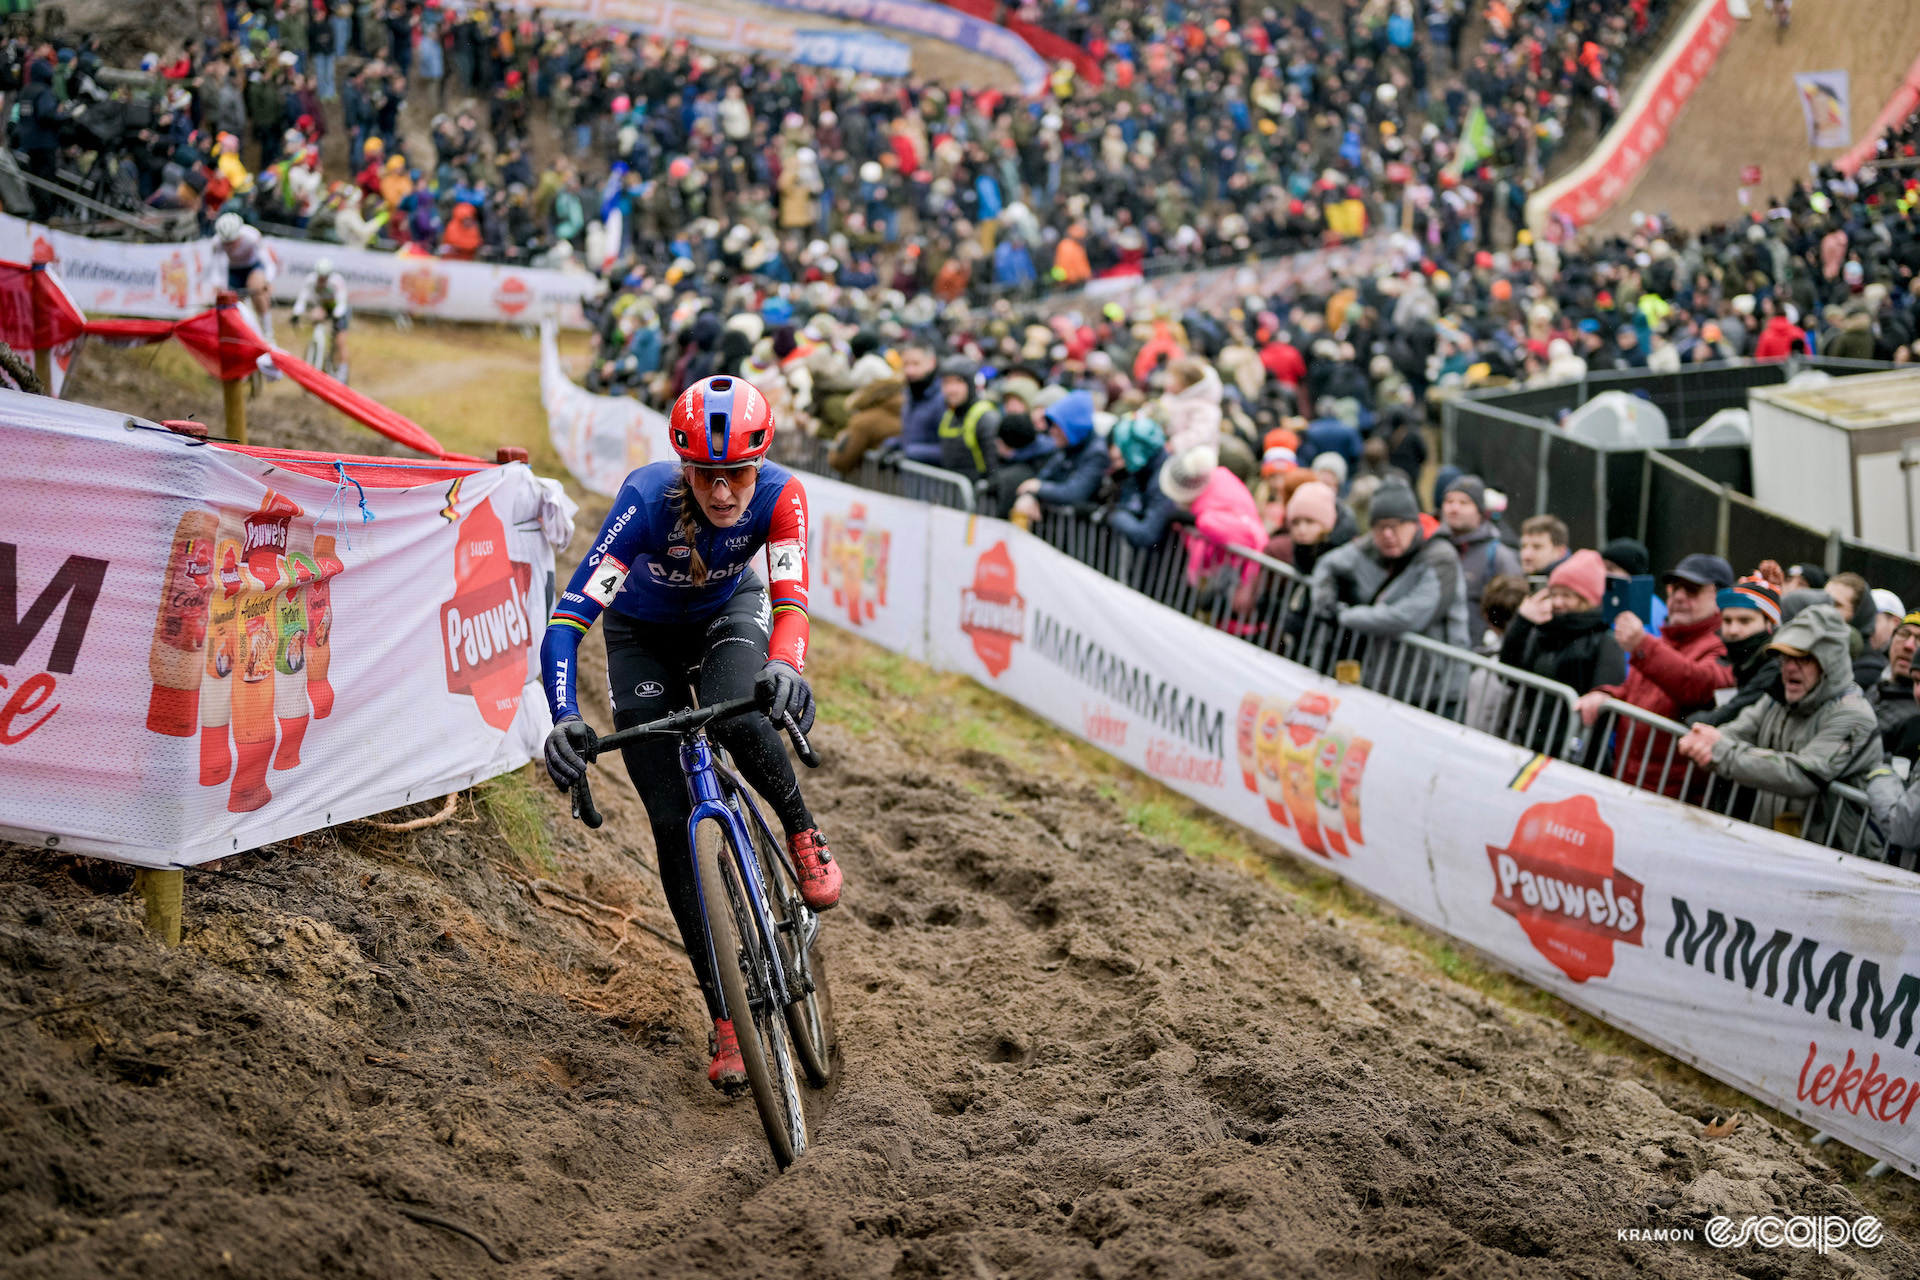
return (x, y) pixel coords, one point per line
(1068, 1050)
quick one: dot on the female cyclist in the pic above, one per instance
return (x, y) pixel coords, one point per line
(671, 571)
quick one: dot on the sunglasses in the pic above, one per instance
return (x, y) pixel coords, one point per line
(737, 477)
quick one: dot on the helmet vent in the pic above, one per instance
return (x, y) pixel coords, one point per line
(721, 384)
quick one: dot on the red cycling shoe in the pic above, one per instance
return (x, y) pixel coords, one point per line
(727, 1072)
(819, 873)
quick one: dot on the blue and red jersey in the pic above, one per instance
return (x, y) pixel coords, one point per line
(640, 567)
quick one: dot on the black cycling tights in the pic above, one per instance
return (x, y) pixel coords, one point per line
(648, 667)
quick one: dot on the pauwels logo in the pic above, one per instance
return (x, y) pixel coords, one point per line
(484, 627)
(1556, 877)
(992, 612)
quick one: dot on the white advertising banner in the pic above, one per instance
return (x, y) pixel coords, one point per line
(170, 281)
(437, 288)
(203, 651)
(1786, 969)
(118, 277)
(599, 438)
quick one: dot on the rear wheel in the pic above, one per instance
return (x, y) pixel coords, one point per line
(744, 977)
(810, 1018)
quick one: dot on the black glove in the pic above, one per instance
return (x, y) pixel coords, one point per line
(783, 691)
(571, 738)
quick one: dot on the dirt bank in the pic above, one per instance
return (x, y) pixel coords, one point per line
(1069, 1049)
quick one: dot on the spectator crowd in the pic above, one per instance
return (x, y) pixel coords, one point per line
(875, 255)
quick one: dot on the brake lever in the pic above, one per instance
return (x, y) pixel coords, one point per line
(583, 809)
(808, 756)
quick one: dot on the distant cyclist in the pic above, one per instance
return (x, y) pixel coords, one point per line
(323, 297)
(249, 269)
(672, 571)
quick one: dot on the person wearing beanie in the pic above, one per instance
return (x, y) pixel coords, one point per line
(1560, 633)
(1801, 577)
(1023, 451)
(1317, 522)
(1749, 614)
(1395, 581)
(1331, 468)
(1483, 556)
(1892, 696)
(1141, 511)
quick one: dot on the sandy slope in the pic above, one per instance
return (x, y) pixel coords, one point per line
(1747, 114)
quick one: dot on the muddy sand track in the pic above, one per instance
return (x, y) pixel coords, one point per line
(1067, 1050)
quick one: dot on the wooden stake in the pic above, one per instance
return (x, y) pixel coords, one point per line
(43, 368)
(160, 890)
(236, 395)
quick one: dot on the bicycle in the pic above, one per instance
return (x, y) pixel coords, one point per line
(766, 932)
(320, 350)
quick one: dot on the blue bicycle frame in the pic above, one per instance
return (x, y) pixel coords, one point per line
(710, 805)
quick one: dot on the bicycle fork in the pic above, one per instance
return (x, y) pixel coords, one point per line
(709, 805)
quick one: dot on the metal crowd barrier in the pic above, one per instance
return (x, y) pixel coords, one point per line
(1637, 747)
(900, 477)
(1268, 603)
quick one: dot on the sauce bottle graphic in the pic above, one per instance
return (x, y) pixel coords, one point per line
(1326, 789)
(320, 625)
(180, 631)
(1350, 771)
(290, 650)
(1269, 731)
(264, 570)
(1298, 742)
(223, 652)
(1243, 727)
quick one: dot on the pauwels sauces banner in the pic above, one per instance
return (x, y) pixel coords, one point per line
(202, 651)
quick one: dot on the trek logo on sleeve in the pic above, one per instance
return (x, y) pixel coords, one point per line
(604, 583)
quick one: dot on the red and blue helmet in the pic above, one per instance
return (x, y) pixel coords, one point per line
(721, 422)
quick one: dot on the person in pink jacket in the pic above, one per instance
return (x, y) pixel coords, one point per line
(1224, 515)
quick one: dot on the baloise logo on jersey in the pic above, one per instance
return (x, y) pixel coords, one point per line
(484, 626)
(1557, 878)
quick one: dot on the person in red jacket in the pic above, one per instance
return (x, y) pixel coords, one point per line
(1673, 674)
(1780, 339)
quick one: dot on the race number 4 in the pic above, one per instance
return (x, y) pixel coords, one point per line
(604, 583)
(786, 560)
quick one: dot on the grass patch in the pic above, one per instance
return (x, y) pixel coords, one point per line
(938, 715)
(518, 815)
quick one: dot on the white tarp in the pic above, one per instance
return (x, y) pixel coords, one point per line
(599, 438)
(169, 281)
(202, 651)
(1786, 969)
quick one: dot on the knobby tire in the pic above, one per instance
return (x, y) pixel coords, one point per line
(776, 1094)
(810, 1018)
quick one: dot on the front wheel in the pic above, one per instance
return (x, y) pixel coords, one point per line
(745, 978)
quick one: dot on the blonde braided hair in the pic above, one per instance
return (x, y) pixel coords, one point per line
(683, 506)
